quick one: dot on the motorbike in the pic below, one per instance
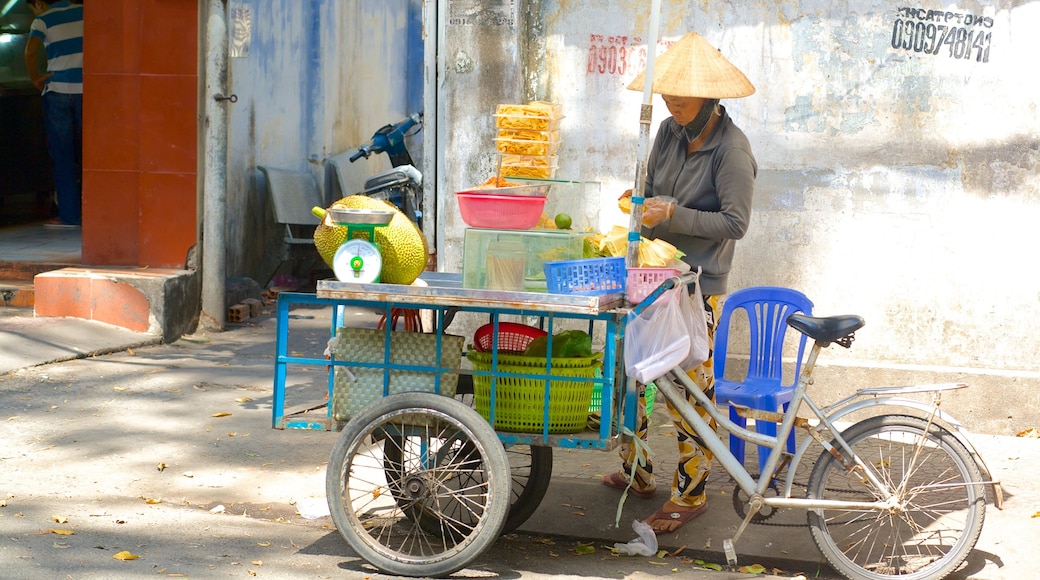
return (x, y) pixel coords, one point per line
(402, 184)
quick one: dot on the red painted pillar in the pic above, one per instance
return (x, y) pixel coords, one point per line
(140, 132)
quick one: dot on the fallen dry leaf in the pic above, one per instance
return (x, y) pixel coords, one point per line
(221, 414)
(243, 400)
(264, 544)
(1036, 515)
(124, 555)
(161, 466)
(60, 519)
(753, 569)
(188, 474)
(151, 500)
(585, 549)
(59, 532)
(1032, 433)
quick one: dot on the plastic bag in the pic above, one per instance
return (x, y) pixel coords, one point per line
(668, 333)
(699, 350)
(644, 545)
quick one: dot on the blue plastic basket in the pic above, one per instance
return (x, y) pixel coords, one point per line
(590, 276)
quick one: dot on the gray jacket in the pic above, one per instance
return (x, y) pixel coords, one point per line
(713, 186)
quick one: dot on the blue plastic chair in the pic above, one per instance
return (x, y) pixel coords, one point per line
(767, 309)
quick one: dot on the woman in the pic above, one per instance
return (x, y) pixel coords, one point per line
(703, 162)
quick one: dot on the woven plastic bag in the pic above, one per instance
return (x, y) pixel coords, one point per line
(668, 333)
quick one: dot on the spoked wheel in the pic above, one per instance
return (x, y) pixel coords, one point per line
(531, 470)
(938, 513)
(529, 465)
(416, 484)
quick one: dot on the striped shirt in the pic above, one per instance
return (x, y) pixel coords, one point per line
(61, 30)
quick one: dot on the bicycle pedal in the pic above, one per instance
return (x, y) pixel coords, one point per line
(731, 553)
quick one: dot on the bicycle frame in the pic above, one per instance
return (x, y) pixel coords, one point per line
(827, 416)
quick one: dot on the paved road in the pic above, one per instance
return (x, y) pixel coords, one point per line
(167, 452)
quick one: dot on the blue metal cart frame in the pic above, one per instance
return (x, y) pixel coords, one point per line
(444, 295)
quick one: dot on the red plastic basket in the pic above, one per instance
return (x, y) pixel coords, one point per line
(512, 337)
(503, 212)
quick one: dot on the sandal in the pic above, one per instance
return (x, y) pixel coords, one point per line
(617, 480)
(682, 517)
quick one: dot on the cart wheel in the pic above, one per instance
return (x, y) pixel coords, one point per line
(530, 466)
(531, 469)
(394, 484)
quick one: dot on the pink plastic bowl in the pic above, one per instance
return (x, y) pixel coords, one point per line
(503, 212)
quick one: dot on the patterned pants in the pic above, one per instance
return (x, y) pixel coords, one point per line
(694, 459)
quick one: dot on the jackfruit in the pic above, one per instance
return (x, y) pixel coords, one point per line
(401, 242)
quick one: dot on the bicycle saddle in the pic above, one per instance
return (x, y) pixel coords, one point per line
(827, 329)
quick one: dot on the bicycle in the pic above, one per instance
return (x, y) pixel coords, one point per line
(419, 484)
(900, 494)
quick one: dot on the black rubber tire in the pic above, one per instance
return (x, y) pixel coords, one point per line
(531, 469)
(942, 502)
(383, 527)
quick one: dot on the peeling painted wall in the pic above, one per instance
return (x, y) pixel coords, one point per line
(897, 145)
(314, 78)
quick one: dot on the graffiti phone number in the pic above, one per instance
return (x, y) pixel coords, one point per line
(931, 38)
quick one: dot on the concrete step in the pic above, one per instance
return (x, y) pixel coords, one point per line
(26, 271)
(17, 293)
(156, 301)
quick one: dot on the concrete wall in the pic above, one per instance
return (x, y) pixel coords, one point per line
(897, 172)
(314, 78)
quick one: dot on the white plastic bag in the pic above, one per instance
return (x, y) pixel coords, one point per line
(644, 545)
(670, 332)
(698, 328)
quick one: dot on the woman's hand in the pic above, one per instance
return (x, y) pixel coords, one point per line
(657, 210)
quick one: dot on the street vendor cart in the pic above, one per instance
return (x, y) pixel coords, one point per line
(420, 483)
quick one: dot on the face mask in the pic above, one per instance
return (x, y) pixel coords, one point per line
(693, 129)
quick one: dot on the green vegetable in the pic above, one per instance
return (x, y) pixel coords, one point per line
(567, 344)
(537, 347)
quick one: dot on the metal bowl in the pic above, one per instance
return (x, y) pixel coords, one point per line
(345, 217)
(538, 190)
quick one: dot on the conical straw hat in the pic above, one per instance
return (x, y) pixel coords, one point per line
(694, 68)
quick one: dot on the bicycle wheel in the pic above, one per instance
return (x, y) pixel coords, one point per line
(940, 501)
(401, 519)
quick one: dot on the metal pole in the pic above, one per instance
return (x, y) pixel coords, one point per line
(214, 246)
(645, 114)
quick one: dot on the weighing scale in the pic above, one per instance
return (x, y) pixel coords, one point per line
(358, 258)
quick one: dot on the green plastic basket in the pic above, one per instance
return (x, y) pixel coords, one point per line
(597, 396)
(520, 401)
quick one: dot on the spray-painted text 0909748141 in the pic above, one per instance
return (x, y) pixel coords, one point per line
(930, 31)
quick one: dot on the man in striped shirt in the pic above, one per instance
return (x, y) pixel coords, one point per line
(58, 32)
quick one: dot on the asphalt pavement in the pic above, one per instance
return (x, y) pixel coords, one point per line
(122, 458)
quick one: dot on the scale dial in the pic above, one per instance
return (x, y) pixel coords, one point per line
(357, 261)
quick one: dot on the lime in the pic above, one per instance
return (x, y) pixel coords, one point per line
(563, 221)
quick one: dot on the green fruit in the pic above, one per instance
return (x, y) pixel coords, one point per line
(563, 221)
(401, 242)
